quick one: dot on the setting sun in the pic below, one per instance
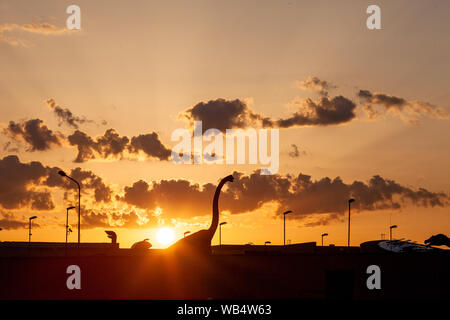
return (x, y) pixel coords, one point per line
(165, 236)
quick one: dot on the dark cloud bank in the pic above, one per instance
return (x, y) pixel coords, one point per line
(30, 184)
(111, 144)
(38, 137)
(298, 193)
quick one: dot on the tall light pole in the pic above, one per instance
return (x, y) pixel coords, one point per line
(349, 205)
(63, 174)
(284, 226)
(323, 235)
(67, 221)
(29, 227)
(187, 232)
(390, 230)
(220, 232)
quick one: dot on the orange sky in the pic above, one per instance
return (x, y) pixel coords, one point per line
(137, 67)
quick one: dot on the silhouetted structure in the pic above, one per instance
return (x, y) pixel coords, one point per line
(142, 245)
(438, 240)
(112, 235)
(63, 174)
(29, 227)
(349, 206)
(284, 225)
(390, 231)
(200, 242)
(67, 221)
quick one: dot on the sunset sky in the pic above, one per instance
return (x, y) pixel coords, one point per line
(361, 113)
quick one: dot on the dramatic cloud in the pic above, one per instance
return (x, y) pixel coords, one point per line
(36, 134)
(228, 114)
(222, 114)
(18, 183)
(407, 110)
(89, 182)
(29, 184)
(314, 202)
(150, 145)
(315, 84)
(36, 28)
(86, 146)
(112, 145)
(322, 112)
(64, 115)
(325, 199)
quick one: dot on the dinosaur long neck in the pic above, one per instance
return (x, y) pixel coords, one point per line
(215, 217)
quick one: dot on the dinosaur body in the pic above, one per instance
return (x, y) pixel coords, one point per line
(200, 241)
(438, 240)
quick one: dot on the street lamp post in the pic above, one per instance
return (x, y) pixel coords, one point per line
(284, 226)
(324, 235)
(220, 232)
(390, 230)
(349, 205)
(67, 221)
(63, 174)
(187, 232)
(29, 227)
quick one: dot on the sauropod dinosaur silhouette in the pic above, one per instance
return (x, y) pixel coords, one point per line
(201, 241)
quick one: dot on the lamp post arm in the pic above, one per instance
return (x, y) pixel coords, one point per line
(79, 206)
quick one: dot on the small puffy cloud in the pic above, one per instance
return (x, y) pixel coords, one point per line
(150, 145)
(295, 152)
(35, 134)
(222, 114)
(85, 145)
(322, 112)
(317, 85)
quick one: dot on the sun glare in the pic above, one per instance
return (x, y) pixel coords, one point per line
(165, 236)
